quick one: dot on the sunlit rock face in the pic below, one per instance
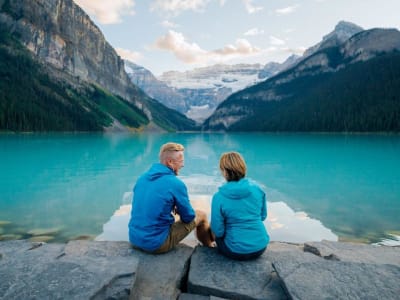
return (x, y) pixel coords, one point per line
(61, 34)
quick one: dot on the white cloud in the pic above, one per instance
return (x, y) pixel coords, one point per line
(276, 41)
(175, 42)
(107, 11)
(169, 24)
(285, 51)
(251, 8)
(286, 10)
(192, 53)
(241, 47)
(254, 32)
(128, 54)
(177, 6)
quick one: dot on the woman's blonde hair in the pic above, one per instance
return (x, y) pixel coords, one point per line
(233, 166)
(169, 150)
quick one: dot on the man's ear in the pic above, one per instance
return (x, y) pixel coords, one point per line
(169, 162)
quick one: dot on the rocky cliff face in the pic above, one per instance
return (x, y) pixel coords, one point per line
(155, 88)
(370, 43)
(61, 34)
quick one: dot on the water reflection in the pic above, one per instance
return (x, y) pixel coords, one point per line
(282, 223)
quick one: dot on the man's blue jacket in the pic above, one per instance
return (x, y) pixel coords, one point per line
(155, 195)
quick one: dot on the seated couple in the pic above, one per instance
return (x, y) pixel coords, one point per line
(238, 209)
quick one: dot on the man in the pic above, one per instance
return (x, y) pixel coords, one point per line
(158, 195)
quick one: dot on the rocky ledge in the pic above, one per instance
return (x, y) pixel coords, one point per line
(113, 270)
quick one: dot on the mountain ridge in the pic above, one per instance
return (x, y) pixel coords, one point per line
(299, 98)
(199, 91)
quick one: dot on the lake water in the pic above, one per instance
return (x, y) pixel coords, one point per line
(58, 187)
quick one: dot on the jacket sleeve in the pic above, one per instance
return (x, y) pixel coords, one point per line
(182, 203)
(217, 219)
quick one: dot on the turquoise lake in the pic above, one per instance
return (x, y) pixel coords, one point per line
(319, 186)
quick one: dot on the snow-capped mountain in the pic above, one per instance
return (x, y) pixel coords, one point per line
(198, 92)
(233, 77)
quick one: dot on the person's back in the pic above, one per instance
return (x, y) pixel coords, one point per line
(238, 211)
(155, 193)
(242, 205)
(158, 194)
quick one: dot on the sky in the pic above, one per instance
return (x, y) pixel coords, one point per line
(180, 35)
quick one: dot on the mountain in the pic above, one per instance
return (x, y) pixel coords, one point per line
(71, 78)
(196, 93)
(155, 88)
(342, 32)
(349, 86)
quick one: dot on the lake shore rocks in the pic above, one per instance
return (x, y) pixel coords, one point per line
(84, 269)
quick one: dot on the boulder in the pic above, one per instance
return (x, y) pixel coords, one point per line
(332, 270)
(213, 274)
(50, 271)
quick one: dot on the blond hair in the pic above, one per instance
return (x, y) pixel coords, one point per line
(169, 150)
(233, 166)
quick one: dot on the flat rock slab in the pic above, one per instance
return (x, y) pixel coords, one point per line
(64, 271)
(353, 252)
(338, 271)
(213, 274)
(161, 276)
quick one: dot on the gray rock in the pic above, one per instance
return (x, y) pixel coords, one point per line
(47, 271)
(185, 296)
(340, 280)
(355, 252)
(308, 276)
(113, 270)
(161, 276)
(213, 274)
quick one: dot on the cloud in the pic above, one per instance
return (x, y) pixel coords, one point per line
(169, 24)
(177, 6)
(286, 10)
(251, 8)
(128, 54)
(192, 53)
(274, 50)
(175, 42)
(254, 32)
(107, 11)
(276, 41)
(241, 47)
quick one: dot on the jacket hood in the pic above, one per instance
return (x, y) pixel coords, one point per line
(236, 189)
(157, 170)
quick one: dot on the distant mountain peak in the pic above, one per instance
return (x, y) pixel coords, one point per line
(341, 33)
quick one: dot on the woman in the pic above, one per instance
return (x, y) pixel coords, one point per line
(238, 210)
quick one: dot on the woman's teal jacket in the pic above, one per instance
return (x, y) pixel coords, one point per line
(238, 210)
